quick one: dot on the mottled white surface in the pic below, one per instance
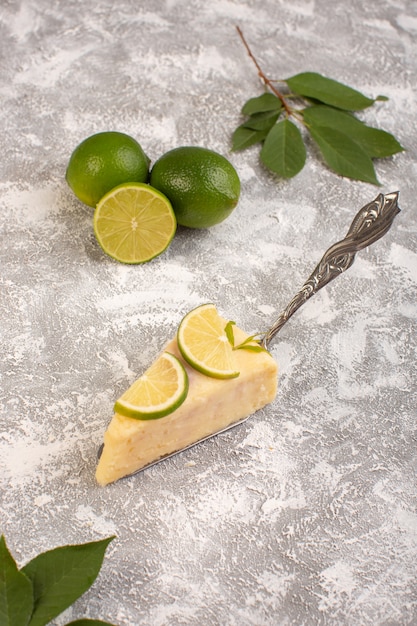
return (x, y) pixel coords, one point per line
(307, 513)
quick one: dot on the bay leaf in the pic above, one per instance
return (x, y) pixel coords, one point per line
(283, 150)
(16, 592)
(328, 91)
(265, 102)
(375, 142)
(343, 155)
(61, 575)
(244, 137)
(261, 121)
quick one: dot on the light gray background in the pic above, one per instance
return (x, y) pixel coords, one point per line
(307, 513)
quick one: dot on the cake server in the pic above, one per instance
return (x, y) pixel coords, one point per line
(371, 223)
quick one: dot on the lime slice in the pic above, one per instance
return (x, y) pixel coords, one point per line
(134, 223)
(158, 392)
(203, 343)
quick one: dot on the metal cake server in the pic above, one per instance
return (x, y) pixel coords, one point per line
(371, 223)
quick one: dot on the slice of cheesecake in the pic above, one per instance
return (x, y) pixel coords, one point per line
(211, 406)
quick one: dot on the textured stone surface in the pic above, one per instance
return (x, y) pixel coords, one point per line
(306, 514)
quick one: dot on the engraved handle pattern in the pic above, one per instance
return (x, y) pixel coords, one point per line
(370, 224)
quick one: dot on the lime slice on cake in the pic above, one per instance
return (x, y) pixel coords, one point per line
(134, 223)
(203, 343)
(158, 392)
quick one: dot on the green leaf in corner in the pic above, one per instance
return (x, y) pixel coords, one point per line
(265, 102)
(62, 575)
(375, 142)
(328, 91)
(343, 155)
(16, 593)
(245, 137)
(283, 151)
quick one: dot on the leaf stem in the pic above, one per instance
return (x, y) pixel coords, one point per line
(266, 81)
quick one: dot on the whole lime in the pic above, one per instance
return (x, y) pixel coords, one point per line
(202, 185)
(103, 161)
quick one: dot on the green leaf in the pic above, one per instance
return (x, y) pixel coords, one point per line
(89, 622)
(375, 142)
(329, 91)
(251, 348)
(248, 344)
(229, 332)
(265, 102)
(261, 121)
(62, 575)
(283, 151)
(246, 341)
(16, 593)
(245, 137)
(343, 155)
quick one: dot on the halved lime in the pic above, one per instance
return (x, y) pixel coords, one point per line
(203, 343)
(134, 223)
(158, 392)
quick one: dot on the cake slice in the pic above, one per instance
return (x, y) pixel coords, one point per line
(211, 405)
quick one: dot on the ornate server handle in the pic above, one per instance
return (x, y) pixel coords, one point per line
(370, 224)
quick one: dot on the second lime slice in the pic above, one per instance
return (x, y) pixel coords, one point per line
(134, 223)
(203, 343)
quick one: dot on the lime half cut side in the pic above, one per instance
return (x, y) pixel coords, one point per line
(134, 223)
(158, 392)
(203, 343)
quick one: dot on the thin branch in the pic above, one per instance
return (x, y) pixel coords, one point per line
(267, 81)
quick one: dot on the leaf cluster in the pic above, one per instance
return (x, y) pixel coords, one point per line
(37, 593)
(326, 108)
(251, 343)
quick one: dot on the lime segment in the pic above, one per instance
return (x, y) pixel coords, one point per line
(203, 343)
(134, 223)
(161, 390)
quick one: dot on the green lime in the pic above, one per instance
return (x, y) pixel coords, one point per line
(202, 185)
(103, 161)
(134, 222)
